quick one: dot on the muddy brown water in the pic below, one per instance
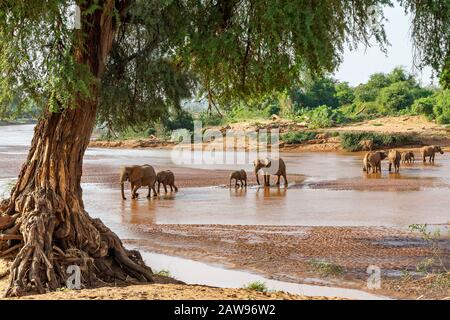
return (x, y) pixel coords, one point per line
(334, 193)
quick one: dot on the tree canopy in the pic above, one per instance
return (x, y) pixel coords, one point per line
(165, 51)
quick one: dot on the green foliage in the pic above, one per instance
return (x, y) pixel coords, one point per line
(424, 106)
(181, 120)
(441, 108)
(437, 259)
(344, 93)
(257, 286)
(163, 272)
(315, 94)
(396, 97)
(350, 141)
(326, 268)
(294, 137)
(325, 116)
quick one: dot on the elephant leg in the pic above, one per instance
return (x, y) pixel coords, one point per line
(159, 186)
(268, 180)
(165, 187)
(155, 194)
(285, 180)
(171, 188)
(278, 180)
(149, 192)
(390, 167)
(135, 189)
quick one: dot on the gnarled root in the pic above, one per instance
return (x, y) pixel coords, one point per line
(51, 237)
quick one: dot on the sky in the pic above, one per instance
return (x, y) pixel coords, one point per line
(358, 65)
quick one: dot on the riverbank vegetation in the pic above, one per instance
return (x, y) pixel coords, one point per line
(316, 104)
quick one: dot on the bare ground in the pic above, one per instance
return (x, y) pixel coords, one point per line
(297, 254)
(158, 291)
(425, 131)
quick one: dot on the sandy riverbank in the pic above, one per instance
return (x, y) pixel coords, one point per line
(333, 256)
(424, 131)
(157, 291)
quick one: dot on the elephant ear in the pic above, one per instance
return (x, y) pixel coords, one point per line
(135, 173)
(256, 162)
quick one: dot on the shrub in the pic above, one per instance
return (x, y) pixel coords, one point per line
(350, 140)
(326, 268)
(396, 97)
(256, 286)
(424, 106)
(298, 137)
(441, 109)
(181, 120)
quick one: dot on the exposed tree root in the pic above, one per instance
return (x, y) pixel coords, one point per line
(51, 237)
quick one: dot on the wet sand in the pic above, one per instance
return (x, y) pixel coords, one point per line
(288, 253)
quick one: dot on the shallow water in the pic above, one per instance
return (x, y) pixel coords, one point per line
(298, 205)
(194, 272)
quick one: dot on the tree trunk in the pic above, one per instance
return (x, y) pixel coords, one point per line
(46, 207)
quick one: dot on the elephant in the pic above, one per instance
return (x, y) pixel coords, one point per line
(408, 157)
(394, 158)
(139, 176)
(430, 151)
(167, 178)
(372, 160)
(239, 175)
(366, 145)
(278, 169)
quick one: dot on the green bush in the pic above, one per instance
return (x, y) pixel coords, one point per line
(424, 106)
(298, 137)
(441, 109)
(396, 97)
(256, 286)
(350, 140)
(181, 120)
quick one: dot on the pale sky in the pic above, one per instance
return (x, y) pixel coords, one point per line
(360, 64)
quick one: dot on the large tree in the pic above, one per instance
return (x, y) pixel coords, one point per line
(131, 60)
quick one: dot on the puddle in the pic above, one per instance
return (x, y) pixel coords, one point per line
(193, 272)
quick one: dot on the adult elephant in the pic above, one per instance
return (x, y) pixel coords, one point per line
(139, 176)
(372, 160)
(269, 167)
(430, 151)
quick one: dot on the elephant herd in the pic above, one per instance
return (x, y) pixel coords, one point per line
(372, 160)
(145, 176)
(267, 166)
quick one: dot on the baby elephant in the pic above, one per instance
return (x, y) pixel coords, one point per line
(394, 158)
(430, 151)
(167, 178)
(241, 176)
(408, 157)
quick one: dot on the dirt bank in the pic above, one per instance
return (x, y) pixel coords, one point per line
(336, 256)
(424, 131)
(158, 291)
